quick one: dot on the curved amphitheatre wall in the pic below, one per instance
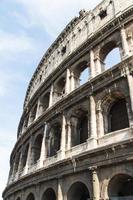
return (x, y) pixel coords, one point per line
(65, 124)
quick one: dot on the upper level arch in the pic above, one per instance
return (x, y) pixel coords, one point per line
(36, 152)
(25, 155)
(53, 138)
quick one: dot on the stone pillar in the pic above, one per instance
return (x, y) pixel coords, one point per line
(67, 86)
(98, 65)
(51, 96)
(60, 186)
(125, 46)
(92, 64)
(130, 85)
(95, 183)
(63, 136)
(100, 123)
(43, 148)
(39, 108)
(68, 135)
(72, 81)
(29, 156)
(93, 126)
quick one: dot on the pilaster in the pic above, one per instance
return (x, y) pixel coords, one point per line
(92, 64)
(51, 96)
(125, 46)
(95, 183)
(63, 136)
(43, 148)
(67, 86)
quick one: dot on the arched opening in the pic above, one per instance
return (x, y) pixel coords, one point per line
(121, 187)
(118, 116)
(79, 127)
(82, 127)
(84, 75)
(44, 104)
(18, 198)
(33, 114)
(25, 155)
(80, 74)
(30, 197)
(37, 148)
(17, 160)
(112, 58)
(59, 88)
(54, 139)
(49, 194)
(78, 191)
(109, 55)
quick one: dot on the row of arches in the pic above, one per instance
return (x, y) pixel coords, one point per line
(115, 117)
(119, 188)
(109, 55)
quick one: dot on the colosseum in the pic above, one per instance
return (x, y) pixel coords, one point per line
(75, 138)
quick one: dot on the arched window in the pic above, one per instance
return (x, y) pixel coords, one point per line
(80, 74)
(84, 76)
(112, 58)
(25, 155)
(37, 148)
(30, 197)
(118, 116)
(109, 55)
(54, 140)
(120, 187)
(78, 191)
(18, 198)
(49, 194)
(17, 160)
(79, 127)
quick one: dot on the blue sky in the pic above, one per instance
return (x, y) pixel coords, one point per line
(27, 28)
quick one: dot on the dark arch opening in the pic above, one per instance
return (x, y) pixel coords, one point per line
(121, 187)
(78, 191)
(25, 155)
(18, 198)
(82, 128)
(37, 148)
(30, 197)
(118, 116)
(17, 160)
(49, 194)
(79, 127)
(54, 139)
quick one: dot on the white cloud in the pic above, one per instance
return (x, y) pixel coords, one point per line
(53, 16)
(13, 44)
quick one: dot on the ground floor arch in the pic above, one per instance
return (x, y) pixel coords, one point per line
(30, 197)
(49, 194)
(78, 191)
(121, 187)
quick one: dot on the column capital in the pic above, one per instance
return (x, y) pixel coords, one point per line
(93, 168)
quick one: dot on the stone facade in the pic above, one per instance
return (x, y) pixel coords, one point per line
(75, 140)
